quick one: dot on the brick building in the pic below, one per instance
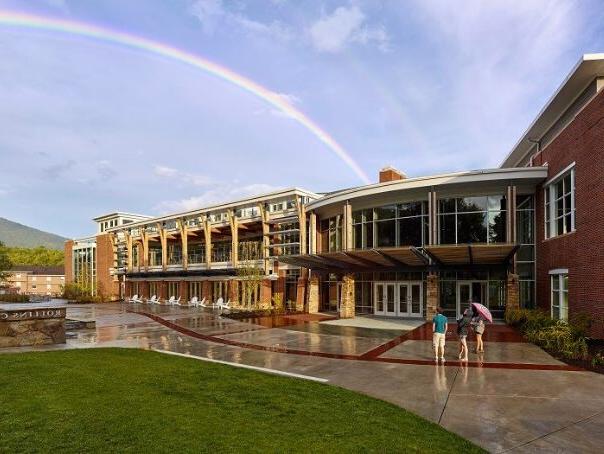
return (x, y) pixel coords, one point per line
(37, 280)
(527, 234)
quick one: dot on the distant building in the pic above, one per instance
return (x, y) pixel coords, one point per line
(36, 280)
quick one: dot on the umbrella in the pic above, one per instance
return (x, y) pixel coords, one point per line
(483, 311)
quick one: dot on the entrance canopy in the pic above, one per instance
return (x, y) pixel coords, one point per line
(471, 254)
(360, 259)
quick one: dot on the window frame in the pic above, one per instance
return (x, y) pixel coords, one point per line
(559, 276)
(550, 199)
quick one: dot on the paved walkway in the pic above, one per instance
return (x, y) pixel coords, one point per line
(514, 398)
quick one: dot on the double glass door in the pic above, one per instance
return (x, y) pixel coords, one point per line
(398, 299)
(471, 291)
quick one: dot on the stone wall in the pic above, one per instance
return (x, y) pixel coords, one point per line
(432, 296)
(32, 326)
(313, 295)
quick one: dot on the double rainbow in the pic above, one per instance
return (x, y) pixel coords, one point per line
(14, 19)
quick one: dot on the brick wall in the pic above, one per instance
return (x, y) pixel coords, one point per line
(582, 251)
(68, 261)
(104, 261)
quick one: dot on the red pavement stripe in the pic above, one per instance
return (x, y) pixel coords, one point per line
(372, 355)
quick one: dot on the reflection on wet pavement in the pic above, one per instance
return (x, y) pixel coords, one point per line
(499, 406)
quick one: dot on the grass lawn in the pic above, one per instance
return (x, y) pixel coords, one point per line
(108, 400)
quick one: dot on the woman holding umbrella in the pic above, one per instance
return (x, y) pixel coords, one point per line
(479, 314)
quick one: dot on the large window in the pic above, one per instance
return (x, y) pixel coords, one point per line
(331, 234)
(525, 257)
(559, 294)
(472, 220)
(403, 224)
(560, 205)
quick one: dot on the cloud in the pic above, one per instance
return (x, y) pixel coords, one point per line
(105, 170)
(208, 12)
(163, 171)
(181, 177)
(58, 4)
(221, 194)
(332, 33)
(212, 13)
(55, 171)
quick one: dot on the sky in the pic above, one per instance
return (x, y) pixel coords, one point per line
(89, 127)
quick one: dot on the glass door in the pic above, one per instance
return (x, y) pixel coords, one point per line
(415, 299)
(470, 291)
(403, 299)
(384, 299)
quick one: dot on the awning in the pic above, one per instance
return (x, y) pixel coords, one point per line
(470, 254)
(360, 259)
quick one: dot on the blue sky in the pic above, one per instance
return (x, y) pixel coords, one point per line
(88, 127)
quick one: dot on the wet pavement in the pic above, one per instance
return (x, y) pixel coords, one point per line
(514, 397)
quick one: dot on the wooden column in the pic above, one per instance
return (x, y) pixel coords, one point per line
(301, 209)
(265, 236)
(207, 234)
(128, 251)
(233, 222)
(164, 246)
(145, 243)
(347, 227)
(312, 227)
(184, 238)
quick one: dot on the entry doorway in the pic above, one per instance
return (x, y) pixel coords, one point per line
(398, 299)
(475, 291)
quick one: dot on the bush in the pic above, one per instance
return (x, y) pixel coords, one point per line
(566, 339)
(14, 298)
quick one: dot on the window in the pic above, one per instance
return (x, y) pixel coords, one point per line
(525, 257)
(560, 205)
(472, 220)
(559, 294)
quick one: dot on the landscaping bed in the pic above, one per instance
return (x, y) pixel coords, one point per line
(14, 298)
(566, 341)
(244, 314)
(123, 400)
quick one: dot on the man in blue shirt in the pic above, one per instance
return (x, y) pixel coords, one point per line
(439, 329)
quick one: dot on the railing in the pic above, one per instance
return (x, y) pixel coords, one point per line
(197, 258)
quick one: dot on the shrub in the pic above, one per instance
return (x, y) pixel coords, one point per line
(566, 339)
(14, 298)
(561, 338)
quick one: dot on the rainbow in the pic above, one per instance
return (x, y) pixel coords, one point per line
(14, 19)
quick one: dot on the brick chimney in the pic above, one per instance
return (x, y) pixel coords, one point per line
(389, 173)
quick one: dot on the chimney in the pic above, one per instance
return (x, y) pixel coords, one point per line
(389, 173)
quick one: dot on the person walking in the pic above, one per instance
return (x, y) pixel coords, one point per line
(478, 325)
(463, 324)
(439, 330)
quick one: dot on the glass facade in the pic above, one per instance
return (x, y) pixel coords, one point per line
(458, 288)
(403, 224)
(525, 257)
(479, 219)
(84, 266)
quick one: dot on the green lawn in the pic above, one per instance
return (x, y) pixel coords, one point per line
(108, 400)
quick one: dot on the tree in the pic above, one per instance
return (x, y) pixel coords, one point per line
(250, 275)
(5, 264)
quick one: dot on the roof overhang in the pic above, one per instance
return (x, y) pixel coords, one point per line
(589, 67)
(360, 259)
(526, 175)
(472, 254)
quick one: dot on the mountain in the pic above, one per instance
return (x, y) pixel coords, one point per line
(13, 234)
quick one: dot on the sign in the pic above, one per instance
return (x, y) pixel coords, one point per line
(31, 314)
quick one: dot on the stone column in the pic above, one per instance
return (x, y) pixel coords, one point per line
(312, 297)
(347, 297)
(280, 287)
(512, 293)
(266, 294)
(432, 295)
(301, 293)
